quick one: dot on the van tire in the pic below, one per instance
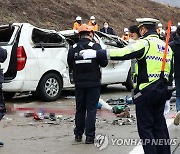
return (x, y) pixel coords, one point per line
(129, 84)
(50, 87)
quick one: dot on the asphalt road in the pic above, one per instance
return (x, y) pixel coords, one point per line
(25, 135)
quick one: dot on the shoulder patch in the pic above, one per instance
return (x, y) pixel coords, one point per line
(91, 44)
(75, 45)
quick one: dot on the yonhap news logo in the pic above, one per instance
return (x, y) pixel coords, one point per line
(101, 141)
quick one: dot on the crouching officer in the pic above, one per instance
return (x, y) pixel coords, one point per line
(151, 86)
(3, 56)
(87, 77)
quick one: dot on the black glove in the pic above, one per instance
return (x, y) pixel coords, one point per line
(2, 112)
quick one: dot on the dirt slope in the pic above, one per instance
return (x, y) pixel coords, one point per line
(60, 14)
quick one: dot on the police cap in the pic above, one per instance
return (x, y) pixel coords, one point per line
(147, 21)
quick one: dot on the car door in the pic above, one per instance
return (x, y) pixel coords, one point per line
(52, 51)
(9, 38)
(115, 71)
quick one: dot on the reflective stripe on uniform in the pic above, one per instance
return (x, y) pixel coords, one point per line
(83, 61)
(157, 58)
(157, 75)
(75, 45)
(137, 95)
(90, 44)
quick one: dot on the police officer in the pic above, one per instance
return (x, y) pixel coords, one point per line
(151, 84)
(86, 76)
(3, 56)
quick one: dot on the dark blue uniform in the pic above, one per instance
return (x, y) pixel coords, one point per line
(87, 79)
(108, 30)
(3, 56)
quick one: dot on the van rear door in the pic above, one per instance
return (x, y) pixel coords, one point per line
(9, 39)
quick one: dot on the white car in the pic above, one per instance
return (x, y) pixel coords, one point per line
(37, 61)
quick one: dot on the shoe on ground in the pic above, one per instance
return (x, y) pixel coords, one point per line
(78, 138)
(89, 140)
(1, 144)
(177, 119)
(52, 116)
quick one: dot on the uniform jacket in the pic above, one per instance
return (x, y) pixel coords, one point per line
(175, 45)
(86, 73)
(3, 56)
(107, 30)
(148, 52)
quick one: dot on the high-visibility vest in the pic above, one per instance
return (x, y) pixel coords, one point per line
(153, 55)
(94, 27)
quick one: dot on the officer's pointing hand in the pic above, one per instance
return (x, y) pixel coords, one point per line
(88, 53)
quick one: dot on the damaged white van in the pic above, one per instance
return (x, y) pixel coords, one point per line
(37, 61)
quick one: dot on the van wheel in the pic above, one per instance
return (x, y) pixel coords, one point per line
(8, 95)
(50, 87)
(129, 84)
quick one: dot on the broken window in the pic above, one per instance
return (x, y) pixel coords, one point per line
(5, 34)
(46, 39)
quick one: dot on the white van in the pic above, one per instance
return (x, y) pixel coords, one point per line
(37, 61)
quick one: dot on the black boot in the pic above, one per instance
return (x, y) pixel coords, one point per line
(89, 140)
(78, 138)
(1, 144)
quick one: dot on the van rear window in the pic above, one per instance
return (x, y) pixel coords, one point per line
(6, 33)
(42, 37)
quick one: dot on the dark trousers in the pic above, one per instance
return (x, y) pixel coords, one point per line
(2, 104)
(86, 107)
(151, 122)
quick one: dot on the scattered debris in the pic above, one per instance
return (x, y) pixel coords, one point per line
(52, 117)
(99, 106)
(129, 99)
(118, 101)
(124, 114)
(39, 115)
(105, 105)
(124, 121)
(120, 108)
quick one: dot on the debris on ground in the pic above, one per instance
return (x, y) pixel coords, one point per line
(105, 105)
(52, 116)
(120, 101)
(117, 109)
(124, 121)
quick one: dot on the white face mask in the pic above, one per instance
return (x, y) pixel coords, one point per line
(105, 26)
(93, 21)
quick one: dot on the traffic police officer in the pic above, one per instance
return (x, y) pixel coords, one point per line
(86, 76)
(151, 86)
(3, 56)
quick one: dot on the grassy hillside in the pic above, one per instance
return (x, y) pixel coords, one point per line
(60, 14)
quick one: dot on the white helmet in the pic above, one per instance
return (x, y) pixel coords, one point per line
(126, 30)
(78, 18)
(173, 28)
(92, 18)
(160, 25)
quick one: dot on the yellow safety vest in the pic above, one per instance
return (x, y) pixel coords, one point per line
(153, 55)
